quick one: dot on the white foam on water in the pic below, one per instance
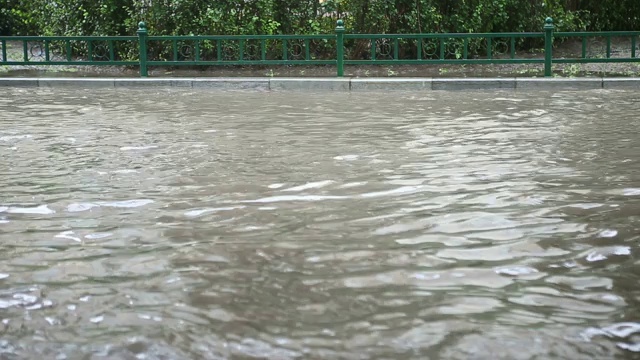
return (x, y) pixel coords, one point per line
(608, 233)
(622, 250)
(592, 257)
(78, 207)
(273, 199)
(68, 235)
(586, 206)
(97, 319)
(398, 191)
(311, 185)
(198, 212)
(350, 157)
(126, 203)
(353, 184)
(97, 236)
(15, 137)
(3, 276)
(39, 210)
(515, 270)
(134, 148)
(631, 192)
(125, 171)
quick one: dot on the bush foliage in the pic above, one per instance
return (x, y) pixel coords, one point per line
(230, 17)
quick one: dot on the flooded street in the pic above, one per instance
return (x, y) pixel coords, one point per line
(151, 224)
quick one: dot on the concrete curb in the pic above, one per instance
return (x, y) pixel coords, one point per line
(331, 84)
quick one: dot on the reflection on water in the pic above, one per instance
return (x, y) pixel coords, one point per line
(209, 225)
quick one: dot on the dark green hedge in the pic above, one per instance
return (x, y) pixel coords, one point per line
(119, 17)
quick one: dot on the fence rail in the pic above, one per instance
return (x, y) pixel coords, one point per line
(337, 49)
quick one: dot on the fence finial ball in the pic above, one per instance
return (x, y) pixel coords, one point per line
(548, 21)
(142, 25)
(340, 23)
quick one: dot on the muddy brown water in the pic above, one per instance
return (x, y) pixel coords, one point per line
(144, 224)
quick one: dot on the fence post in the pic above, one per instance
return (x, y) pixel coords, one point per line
(548, 46)
(142, 44)
(340, 46)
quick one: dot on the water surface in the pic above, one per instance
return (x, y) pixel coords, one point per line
(176, 224)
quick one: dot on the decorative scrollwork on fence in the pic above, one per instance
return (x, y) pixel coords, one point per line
(596, 48)
(384, 49)
(36, 51)
(186, 51)
(454, 48)
(100, 51)
(296, 50)
(501, 46)
(230, 50)
(252, 51)
(429, 48)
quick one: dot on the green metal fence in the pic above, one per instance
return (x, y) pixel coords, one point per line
(337, 49)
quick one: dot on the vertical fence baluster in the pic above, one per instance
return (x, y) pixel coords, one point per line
(219, 49)
(465, 51)
(373, 48)
(4, 50)
(197, 50)
(142, 42)
(489, 48)
(285, 50)
(46, 50)
(584, 47)
(513, 47)
(112, 53)
(89, 50)
(396, 48)
(174, 48)
(419, 48)
(608, 46)
(263, 49)
(241, 50)
(340, 47)
(67, 45)
(548, 46)
(307, 51)
(25, 51)
(633, 46)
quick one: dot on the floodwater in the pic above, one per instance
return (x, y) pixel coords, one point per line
(146, 224)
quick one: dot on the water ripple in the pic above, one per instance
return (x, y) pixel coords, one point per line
(182, 224)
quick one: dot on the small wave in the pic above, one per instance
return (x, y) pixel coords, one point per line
(38, 210)
(272, 199)
(15, 137)
(198, 212)
(126, 203)
(78, 207)
(133, 148)
(311, 185)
